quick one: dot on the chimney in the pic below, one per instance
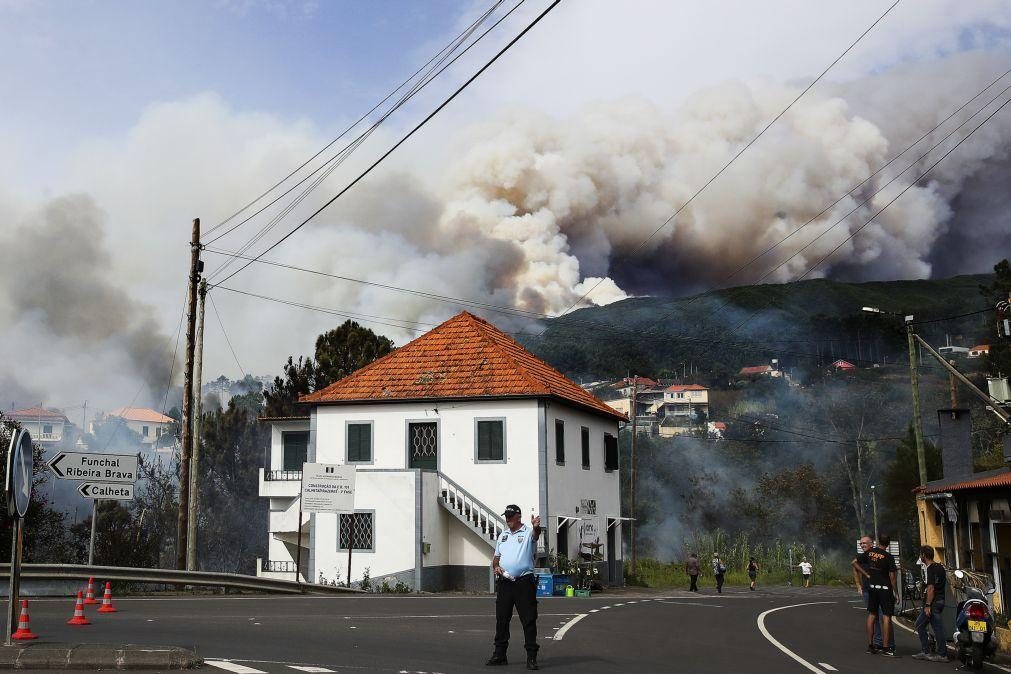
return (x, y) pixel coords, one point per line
(956, 443)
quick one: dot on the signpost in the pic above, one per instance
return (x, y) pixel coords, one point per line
(19, 495)
(327, 488)
(113, 475)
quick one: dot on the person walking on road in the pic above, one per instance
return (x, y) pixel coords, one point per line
(881, 597)
(863, 587)
(805, 570)
(719, 570)
(933, 604)
(693, 569)
(515, 584)
(753, 572)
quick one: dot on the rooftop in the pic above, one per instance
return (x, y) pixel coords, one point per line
(141, 414)
(986, 480)
(36, 413)
(685, 387)
(465, 357)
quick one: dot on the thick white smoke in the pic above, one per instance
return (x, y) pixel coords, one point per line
(529, 210)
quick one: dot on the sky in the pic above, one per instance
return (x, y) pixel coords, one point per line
(122, 121)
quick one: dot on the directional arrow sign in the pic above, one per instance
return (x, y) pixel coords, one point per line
(107, 490)
(104, 467)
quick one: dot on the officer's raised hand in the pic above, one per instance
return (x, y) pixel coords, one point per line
(535, 521)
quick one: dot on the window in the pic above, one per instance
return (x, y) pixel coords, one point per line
(490, 439)
(359, 528)
(296, 449)
(423, 445)
(559, 442)
(359, 439)
(585, 438)
(145, 431)
(610, 452)
(47, 429)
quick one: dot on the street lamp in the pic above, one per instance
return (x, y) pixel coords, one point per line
(874, 505)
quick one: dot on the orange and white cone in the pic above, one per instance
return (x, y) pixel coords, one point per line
(107, 606)
(79, 618)
(89, 598)
(24, 632)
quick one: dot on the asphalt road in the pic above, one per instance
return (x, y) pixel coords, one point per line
(773, 631)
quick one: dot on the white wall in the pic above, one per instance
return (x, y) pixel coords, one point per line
(34, 428)
(570, 483)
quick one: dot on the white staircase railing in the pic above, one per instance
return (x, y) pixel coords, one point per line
(469, 510)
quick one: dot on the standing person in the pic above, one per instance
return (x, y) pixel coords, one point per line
(805, 570)
(719, 570)
(881, 596)
(753, 572)
(693, 569)
(515, 584)
(863, 585)
(933, 604)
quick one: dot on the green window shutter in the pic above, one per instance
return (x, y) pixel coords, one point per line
(490, 445)
(360, 442)
(296, 449)
(559, 441)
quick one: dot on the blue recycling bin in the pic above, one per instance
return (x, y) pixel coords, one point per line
(545, 585)
(561, 581)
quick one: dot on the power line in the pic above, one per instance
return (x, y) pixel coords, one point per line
(743, 149)
(358, 121)
(225, 333)
(336, 161)
(404, 138)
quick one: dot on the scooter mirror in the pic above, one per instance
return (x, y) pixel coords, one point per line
(959, 574)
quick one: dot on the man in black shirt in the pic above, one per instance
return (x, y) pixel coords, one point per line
(878, 566)
(933, 604)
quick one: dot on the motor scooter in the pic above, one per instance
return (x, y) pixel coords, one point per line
(974, 628)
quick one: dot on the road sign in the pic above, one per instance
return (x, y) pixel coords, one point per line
(328, 488)
(104, 467)
(115, 491)
(19, 473)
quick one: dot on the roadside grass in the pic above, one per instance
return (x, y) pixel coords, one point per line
(829, 569)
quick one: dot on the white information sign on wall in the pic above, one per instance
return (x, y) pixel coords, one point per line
(328, 488)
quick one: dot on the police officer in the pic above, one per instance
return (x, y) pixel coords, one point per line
(516, 585)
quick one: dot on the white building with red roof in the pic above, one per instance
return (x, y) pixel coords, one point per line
(149, 424)
(44, 425)
(445, 432)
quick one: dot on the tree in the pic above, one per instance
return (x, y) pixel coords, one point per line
(901, 477)
(999, 358)
(339, 352)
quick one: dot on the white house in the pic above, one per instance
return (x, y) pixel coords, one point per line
(45, 426)
(149, 424)
(445, 432)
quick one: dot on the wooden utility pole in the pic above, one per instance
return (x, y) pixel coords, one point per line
(914, 379)
(194, 505)
(952, 389)
(635, 435)
(187, 420)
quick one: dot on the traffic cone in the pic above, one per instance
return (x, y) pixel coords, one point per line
(89, 598)
(79, 618)
(107, 606)
(24, 632)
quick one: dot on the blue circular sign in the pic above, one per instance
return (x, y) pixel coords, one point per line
(19, 474)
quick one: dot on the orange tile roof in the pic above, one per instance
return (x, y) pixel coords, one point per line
(1001, 479)
(36, 413)
(141, 414)
(685, 387)
(465, 357)
(981, 347)
(757, 369)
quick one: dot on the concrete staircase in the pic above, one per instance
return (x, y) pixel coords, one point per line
(475, 515)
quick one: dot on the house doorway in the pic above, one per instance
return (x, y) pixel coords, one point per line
(423, 445)
(612, 553)
(562, 539)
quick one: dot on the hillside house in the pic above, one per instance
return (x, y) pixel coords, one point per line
(759, 372)
(843, 366)
(445, 432)
(45, 426)
(626, 385)
(979, 351)
(149, 424)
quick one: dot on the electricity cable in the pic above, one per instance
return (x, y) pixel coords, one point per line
(225, 333)
(404, 139)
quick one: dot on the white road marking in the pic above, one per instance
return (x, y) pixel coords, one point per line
(311, 670)
(691, 603)
(233, 667)
(602, 608)
(828, 667)
(781, 647)
(560, 634)
(619, 604)
(594, 610)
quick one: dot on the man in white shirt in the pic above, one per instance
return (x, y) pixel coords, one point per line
(805, 570)
(516, 584)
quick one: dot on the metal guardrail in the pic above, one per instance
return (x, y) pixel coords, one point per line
(282, 475)
(237, 581)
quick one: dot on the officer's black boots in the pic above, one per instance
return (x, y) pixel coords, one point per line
(497, 659)
(532, 662)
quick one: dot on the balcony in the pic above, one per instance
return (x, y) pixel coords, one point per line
(280, 483)
(277, 567)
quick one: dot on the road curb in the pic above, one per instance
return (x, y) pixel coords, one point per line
(96, 656)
